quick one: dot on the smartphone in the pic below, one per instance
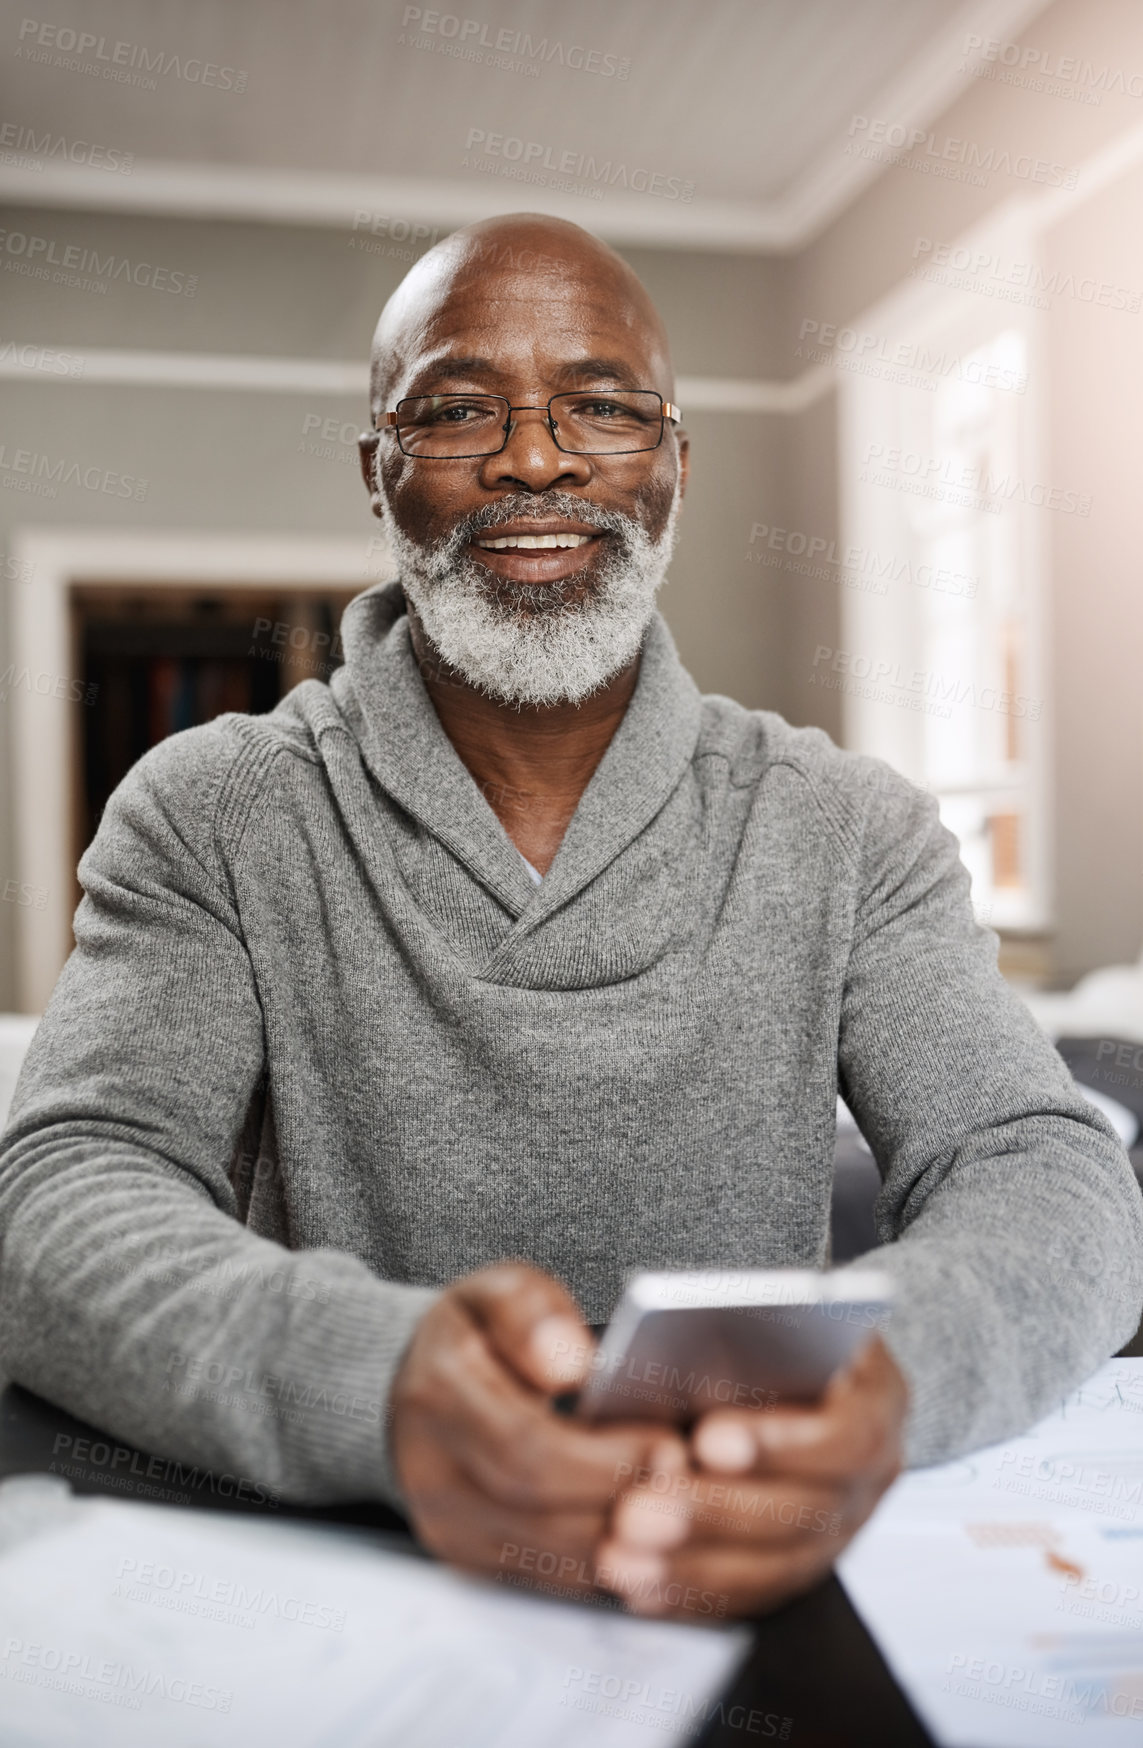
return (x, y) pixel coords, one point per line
(682, 1344)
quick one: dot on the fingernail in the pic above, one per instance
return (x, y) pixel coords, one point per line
(562, 1349)
(669, 1457)
(725, 1445)
(629, 1571)
(646, 1526)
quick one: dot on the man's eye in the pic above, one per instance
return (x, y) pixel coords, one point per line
(459, 413)
(603, 410)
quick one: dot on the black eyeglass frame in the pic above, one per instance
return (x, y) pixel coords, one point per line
(667, 410)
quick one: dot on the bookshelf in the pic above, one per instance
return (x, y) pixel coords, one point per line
(157, 659)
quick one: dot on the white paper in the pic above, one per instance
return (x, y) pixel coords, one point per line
(130, 1626)
(1006, 1590)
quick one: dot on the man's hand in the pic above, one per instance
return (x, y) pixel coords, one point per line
(495, 1480)
(768, 1500)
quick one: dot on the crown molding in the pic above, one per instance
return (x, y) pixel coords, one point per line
(78, 365)
(330, 200)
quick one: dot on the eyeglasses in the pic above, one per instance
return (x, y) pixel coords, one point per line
(462, 427)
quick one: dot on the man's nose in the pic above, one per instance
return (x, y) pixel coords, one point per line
(532, 458)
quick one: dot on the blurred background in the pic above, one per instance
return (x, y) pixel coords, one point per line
(897, 245)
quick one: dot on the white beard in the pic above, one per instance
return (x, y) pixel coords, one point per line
(530, 643)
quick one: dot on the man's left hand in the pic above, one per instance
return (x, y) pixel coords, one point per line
(767, 1503)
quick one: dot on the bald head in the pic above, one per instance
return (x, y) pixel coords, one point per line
(542, 272)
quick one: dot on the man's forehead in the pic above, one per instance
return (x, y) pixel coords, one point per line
(527, 330)
(529, 304)
(530, 311)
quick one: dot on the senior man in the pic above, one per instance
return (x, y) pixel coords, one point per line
(404, 1021)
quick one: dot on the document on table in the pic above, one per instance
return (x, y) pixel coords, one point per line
(125, 1625)
(1006, 1590)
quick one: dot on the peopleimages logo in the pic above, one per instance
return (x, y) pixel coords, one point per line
(1043, 69)
(23, 145)
(943, 477)
(945, 689)
(121, 62)
(974, 268)
(917, 148)
(42, 475)
(465, 38)
(44, 686)
(664, 1708)
(855, 562)
(169, 1586)
(101, 1678)
(532, 161)
(47, 358)
(849, 347)
(87, 269)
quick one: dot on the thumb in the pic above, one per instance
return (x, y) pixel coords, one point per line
(531, 1322)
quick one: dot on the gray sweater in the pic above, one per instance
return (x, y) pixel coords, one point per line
(323, 1046)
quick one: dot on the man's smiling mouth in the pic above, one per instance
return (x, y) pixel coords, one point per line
(534, 542)
(537, 549)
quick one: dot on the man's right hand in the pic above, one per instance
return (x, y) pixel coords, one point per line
(496, 1480)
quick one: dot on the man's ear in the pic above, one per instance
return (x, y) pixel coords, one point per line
(684, 444)
(367, 449)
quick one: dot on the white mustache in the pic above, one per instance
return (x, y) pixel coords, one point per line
(524, 506)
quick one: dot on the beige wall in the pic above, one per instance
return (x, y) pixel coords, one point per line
(811, 605)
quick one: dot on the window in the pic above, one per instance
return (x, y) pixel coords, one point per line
(941, 470)
(977, 643)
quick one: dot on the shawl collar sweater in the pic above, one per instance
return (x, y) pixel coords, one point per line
(323, 1046)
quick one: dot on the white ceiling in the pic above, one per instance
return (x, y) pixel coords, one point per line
(748, 100)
